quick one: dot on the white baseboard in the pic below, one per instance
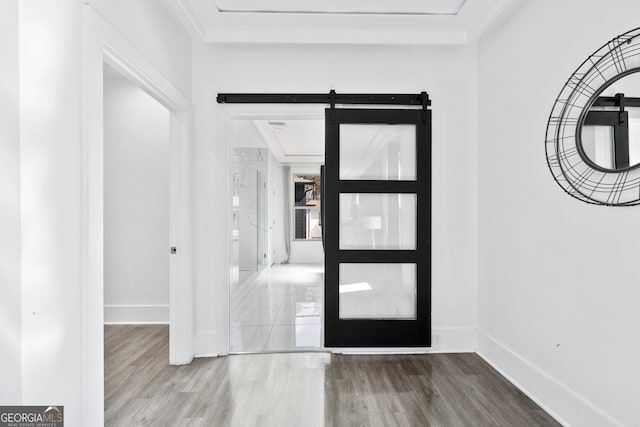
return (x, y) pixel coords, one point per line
(136, 314)
(454, 340)
(561, 402)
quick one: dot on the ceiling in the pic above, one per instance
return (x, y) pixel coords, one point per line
(294, 141)
(402, 7)
(397, 22)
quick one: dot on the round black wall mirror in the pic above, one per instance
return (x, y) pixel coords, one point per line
(593, 132)
(609, 137)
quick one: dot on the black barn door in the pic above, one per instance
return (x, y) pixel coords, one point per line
(377, 225)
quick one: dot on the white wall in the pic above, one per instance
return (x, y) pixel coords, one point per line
(558, 278)
(253, 209)
(447, 73)
(136, 205)
(252, 158)
(51, 189)
(10, 295)
(149, 26)
(245, 134)
(306, 252)
(277, 251)
(51, 192)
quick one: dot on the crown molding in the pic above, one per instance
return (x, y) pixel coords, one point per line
(203, 20)
(187, 17)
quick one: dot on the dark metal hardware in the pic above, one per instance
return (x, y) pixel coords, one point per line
(332, 102)
(425, 107)
(618, 120)
(332, 98)
(322, 224)
(174, 250)
(616, 101)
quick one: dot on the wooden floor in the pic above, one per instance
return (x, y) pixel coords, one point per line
(303, 389)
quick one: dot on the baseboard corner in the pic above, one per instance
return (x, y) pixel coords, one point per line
(561, 402)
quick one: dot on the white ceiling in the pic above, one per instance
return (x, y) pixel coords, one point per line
(396, 7)
(294, 141)
(397, 22)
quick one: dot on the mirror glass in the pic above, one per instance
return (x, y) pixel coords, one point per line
(610, 134)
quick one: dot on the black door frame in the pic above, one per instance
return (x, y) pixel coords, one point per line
(377, 332)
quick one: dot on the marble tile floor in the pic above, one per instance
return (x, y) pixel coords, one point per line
(279, 310)
(244, 275)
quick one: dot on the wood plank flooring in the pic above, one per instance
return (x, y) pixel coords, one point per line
(303, 389)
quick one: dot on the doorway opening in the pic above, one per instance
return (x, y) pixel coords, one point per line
(136, 204)
(137, 140)
(102, 44)
(276, 292)
(375, 216)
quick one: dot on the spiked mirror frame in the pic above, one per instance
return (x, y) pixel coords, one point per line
(571, 169)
